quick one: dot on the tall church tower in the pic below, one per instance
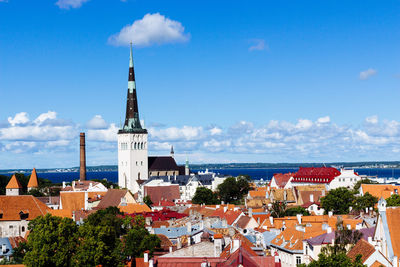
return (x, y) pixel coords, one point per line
(132, 141)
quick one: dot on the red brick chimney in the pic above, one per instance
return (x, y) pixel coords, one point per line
(82, 169)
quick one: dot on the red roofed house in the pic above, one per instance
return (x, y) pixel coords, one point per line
(17, 211)
(325, 175)
(369, 255)
(157, 193)
(13, 187)
(280, 180)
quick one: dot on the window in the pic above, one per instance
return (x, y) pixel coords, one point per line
(142, 163)
(298, 259)
(23, 228)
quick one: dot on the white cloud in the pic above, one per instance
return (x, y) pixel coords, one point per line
(186, 133)
(50, 115)
(48, 137)
(215, 131)
(67, 4)
(304, 124)
(367, 73)
(109, 134)
(97, 122)
(325, 119)
(372, 119)
(19, 118)
(151, 29)
(258, 45)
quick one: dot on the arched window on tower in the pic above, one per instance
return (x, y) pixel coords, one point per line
(138, 175)
(135, 145)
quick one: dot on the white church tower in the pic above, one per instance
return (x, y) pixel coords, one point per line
(132, 142)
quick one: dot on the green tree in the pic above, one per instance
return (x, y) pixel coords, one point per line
(338, 200)
(206, 196)
(138, 239)
(51, 242)
(393, 200)
(233, 189)
(99, 239)
(296, 210)
(98, 245)
(147, 201)
(334, 260)
(365, 201)
(278, 209)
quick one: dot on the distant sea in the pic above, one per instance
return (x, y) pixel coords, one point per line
(254, 173)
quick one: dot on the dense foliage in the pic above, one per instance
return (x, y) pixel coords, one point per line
(341, 199)
(206, 196)
(365, 201)
(333, 260)
(338, 201)
(105, 238)
(233, 189)
(393, 200)
(296, 210)
(278, 209)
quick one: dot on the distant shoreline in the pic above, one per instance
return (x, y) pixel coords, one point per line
(216, 166)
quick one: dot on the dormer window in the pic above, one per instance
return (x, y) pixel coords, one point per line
(24, 214)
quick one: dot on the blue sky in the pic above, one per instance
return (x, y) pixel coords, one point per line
(222, 81)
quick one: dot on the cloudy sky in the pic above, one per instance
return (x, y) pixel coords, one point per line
(222, 81)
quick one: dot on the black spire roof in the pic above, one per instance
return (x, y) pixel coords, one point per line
(132, 121)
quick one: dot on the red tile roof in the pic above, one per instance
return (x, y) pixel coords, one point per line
(33, 180)
(281, 179)
(158, 193)
(315, 175)
(14, 183)
(362, 248)
(11, 206)
(72, 200)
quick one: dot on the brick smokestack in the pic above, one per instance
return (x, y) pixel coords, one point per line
(82, 169)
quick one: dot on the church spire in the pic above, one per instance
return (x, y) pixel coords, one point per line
(132, 121)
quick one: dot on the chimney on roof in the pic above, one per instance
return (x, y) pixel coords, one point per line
(146, 256)
(82, 168)
(189, 227)
(330, 213)
(311, 198)
(271, 220)
(225, 208)
(250, 212)
(217, 245)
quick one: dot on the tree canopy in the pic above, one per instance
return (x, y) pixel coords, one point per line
(365, 201)
(278, 209)
(338, 201)
(105, 238)
(233, 189)
(51, 242)
(393, 200)
(296, 210)
(206, 196)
